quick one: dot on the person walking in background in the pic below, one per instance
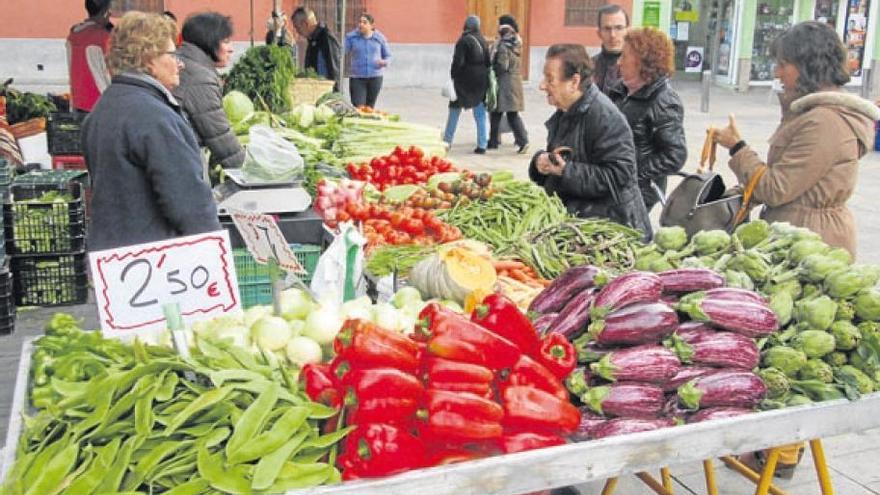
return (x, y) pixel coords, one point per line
(322, 50)
(87, 44)
(207, 46)
(613, 23)
(470, 76)
(368, 55)
(590, 161)
(652, 108)
(143, 157)
(506, 62)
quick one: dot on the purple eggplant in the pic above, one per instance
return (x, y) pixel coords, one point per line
(690, 279)
(623, 426)
(643, 323)
(721, 349)
(543, 322)
(672, 409)
(686, 374)
(628, 400)
(625, 290)
(589, 422)
(589, 351)
(746, 318)
(736, 294)
(574, 316)
(669, 299)
(717, 413)
(693, 331)
(731, 388)
(571, 282)
(645, 363)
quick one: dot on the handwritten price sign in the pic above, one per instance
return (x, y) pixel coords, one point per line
(265, 241)
(133, 283)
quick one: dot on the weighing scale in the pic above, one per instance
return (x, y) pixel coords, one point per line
(253, 196)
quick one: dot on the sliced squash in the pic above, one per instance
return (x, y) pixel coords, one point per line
(453, 273)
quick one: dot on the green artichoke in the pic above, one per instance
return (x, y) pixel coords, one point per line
(848, 282)
(753, 233)
(867, 305)
(846, 335)
(836, 358)
(855, 377)
(840, 254)
(792, 287)
(752, 264)
(671, 238)
(801, 249)
(776, 382)
(782, 304)
(816, 369)
(816, 267)
(814, 343)
(817, 313)
(845, 311)
(710, 241)
(643, 263)
(785, 359)
(794, 400)
(733, 278)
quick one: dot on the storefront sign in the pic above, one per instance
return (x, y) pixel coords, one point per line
(133, 283)
(265, 241)
(651, 14)
(687, 16)
(693, 61)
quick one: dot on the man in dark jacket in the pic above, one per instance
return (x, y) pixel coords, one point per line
(590, 159)
(323, 50)
(143, 157)
(470, 74)
(612, 25)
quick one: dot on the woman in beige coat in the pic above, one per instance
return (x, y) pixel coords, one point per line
(812, 166)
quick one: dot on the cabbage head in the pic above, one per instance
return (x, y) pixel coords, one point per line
(237, 106)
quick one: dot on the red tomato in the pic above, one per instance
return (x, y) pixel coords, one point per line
(343, 216)
(396, 219)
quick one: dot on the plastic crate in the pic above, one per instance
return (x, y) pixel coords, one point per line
(6, 172)
(44, 228)
(7, 301)
(250, 272)
(63, 133)
(255, 294)
(50, 280)
(68, 162)
(54, 177)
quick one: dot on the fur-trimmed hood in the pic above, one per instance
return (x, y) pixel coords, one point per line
(858, 112)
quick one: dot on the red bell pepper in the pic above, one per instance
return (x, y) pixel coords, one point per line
(557, 354)
(446, 371)
(430, 316)
(520, 441)
(529, 373)
(459, 416)
(381, 395)
(365, 345)
(379, 449)
(455, 337)
(319, 384)
(501, 315)
(445, 454)
(531, 409)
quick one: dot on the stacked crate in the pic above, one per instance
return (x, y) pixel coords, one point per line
(254, 281)
(45, 227)
(63, 135)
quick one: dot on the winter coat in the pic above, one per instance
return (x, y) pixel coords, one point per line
(322, 43)
(606, 72)
(600, 178)
(813, 164)
(202, 100)
(655, 115)
(470, 70)
(145, 167)
(506, 62)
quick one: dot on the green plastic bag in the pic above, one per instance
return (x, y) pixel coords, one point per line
(492, 93)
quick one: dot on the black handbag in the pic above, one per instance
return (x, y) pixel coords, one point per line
(699, 201)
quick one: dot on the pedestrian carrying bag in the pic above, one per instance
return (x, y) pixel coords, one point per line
(699, 202)
(448, 90)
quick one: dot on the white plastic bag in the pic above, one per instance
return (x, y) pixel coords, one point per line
(448, 90)
(271, 158)
(338, 276)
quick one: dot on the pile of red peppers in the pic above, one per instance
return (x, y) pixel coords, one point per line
(459, 389)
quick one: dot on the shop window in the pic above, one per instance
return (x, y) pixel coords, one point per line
(582, 12)
(119, 7)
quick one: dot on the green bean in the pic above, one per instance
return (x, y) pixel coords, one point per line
(232, 480)
(269, 466)
(88, 481)
(53, 473)
(288, 424)
(296, 476)
(192, 487)
(326, 441)
(150, 461)
(252, 421)
(113, 477)
(218, 378)
(207, 400)
(38, 465)
(168, 382)
(216, 437)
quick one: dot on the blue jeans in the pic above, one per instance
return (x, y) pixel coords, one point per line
(480, 117)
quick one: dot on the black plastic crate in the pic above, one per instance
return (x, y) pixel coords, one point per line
(44, 227)
(50, 280)
(63, 130)
(7, 301)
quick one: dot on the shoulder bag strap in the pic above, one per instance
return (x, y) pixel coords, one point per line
(747, 195)
(708, 154)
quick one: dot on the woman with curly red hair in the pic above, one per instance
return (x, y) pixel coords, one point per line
(652, 108)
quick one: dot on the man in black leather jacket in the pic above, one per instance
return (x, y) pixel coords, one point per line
(598, 177)
(323, 50)
(653, 110)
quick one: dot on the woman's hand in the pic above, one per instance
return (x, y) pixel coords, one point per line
(546, 166)
(728, 136)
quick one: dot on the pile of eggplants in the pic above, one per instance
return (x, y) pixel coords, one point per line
(657, 349)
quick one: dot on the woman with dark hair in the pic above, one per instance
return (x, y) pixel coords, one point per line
(813, 162)
(506, 62)
(652, 108)
(207, 46)
(470, 76)
(590, 161)
(368, 55)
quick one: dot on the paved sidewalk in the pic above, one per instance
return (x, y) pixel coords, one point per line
(854, 459)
